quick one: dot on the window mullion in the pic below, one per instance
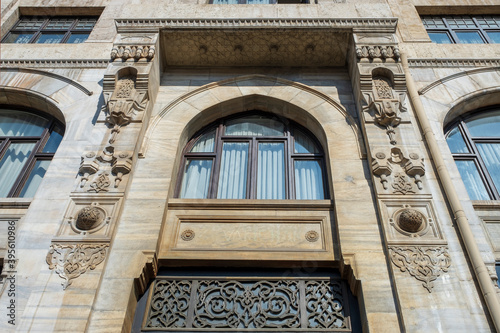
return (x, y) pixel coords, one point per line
(214, 183)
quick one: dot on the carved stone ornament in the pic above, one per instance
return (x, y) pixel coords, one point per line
(424, 263)
(88, 166)
(88, 217)
(187, 235)
(72, 260)
(410, 220)
(401, 164)
(100, 184)
(378, 52)
(125, 102)
(385, 106)
(135, 52)
(312, 236)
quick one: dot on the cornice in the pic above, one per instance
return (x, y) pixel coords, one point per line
(53, 63)
(358, 24)
(454, 62)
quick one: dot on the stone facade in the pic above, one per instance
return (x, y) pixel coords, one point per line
(398, 228)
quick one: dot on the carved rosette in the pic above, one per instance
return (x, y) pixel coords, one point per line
(424, 263)
(72, 260)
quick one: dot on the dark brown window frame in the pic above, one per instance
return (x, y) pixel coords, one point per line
(36, 155)
(289, 156)
(473, 154)
(451, 32)
(43, 28)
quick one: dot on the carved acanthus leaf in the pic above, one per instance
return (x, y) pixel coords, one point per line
(424, 263)
(378, 51)
(72, 260)
(136, 52)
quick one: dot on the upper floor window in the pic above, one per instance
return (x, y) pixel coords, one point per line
(255, 156)
(28, 142)
(50, 30)
(475, 144)
(463, 29)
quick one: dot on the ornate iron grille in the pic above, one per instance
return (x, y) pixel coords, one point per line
(247, 305)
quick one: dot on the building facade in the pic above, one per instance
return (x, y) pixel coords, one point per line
(242, 166)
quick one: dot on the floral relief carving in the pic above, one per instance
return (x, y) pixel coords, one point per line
(72, 260)
(401, 184)
(378, 52)
(136, 52)
(425, 264)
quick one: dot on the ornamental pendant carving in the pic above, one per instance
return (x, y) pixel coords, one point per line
(425, 264)
(101, 184)
(72, 260)
(401, 184)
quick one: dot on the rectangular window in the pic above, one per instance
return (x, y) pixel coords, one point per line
(51, 30)
(463, 29)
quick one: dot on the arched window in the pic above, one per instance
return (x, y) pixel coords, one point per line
(475, 144)
(28, 142)
(254, 156)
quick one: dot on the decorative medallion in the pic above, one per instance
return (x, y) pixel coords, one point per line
(312, 236)
(88, 218)
(424, 263)
(187, 235)
(414, 156)
(380, 155)
(411, 220)
(72, 260)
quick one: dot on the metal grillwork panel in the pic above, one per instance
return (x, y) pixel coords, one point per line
(285, 305)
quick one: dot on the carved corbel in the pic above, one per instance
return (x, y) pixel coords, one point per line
(381, 168)
(72, 260)
(136, 52)
(122, 166)
(415, 168)
(88, 166)
(424, 263)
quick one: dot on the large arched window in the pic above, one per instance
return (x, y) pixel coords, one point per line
(254, 156)
(28, 142)
(475, 144)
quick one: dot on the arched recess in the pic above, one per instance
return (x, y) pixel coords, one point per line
(303, 104)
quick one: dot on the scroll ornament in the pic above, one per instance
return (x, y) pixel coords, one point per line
(424, 263)
(72, 260)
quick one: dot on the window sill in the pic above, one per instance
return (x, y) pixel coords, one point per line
(18, 203)
(250, 204)
(486, 204)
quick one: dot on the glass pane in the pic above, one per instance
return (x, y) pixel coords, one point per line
(485, 125)
(497, 268)
(472, 180)
(53, 141)
(494, 36)
(271, 171)
(30, 24)
(205, 143)
(18, 38)
(433, 22)
(12, 164)
(489, 21)
(259, 2)
(196, 179)
(85, 24)
(255, 126)
(60, 24)
(308, 180)
(19, 123)
(77, 38)
(440, 37)
(225, 2)
(233, 171)
(456, 142)
(460, 22)
(49, 39)
(304, 144)
(469, 37)
(34, 179)
(490, 153)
